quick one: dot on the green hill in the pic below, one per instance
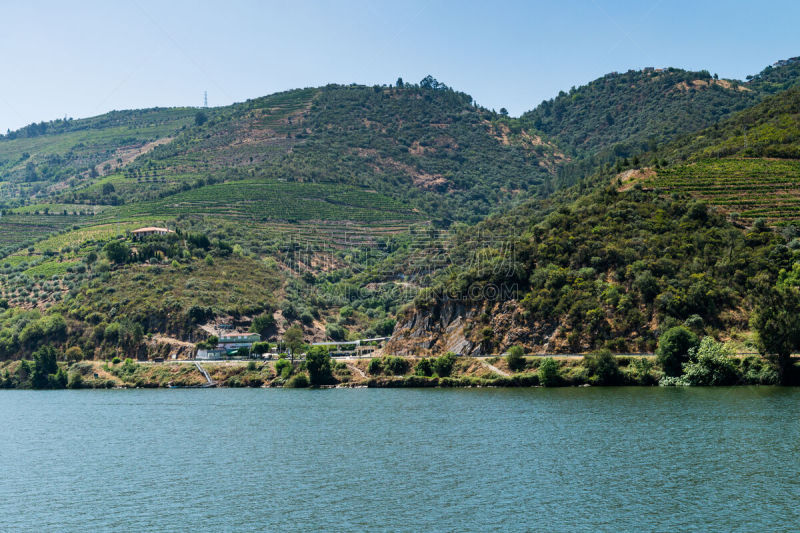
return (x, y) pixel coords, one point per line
(611, 269)
(310, 187)
(346, 208)
(621, 115)
(657, 245)
(749, 164)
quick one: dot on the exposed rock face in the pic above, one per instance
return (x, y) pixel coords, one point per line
(468, 328)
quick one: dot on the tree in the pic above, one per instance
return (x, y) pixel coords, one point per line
(318, 364)
(776, 319)
(262, 324)
(200, 118)
(260, 348)
(44, 366)
(515, 358)
(423, 368)
(399, 83)
(549, 375)
(443, 365)
(603, 367)
(293, 339)
(673, 349)
(504, 111)
(73, 354)
(710, 364)
(117, 252)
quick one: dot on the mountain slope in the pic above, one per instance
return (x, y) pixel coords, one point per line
(618, 265)
(748, 165)
(624, 114)
(611, 269)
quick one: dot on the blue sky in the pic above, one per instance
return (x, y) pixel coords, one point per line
(87, 58)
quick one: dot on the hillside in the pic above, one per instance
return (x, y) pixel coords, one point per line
(621, 115)
(674, 241)
(610, 269)
(346, 209)
(302, 190)
(747, 165)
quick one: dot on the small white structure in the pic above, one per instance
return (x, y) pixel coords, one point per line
(211, 354)
(150, 230)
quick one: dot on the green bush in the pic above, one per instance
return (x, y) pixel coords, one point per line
(673, 349)
(710, 364)
(423, 368)
(300, 381)
(45, 368)
(75, 381)
(284, 368)
(318, 364)
(602, 367)
(642, 367)
(443, 365)
(375, 367)
(515, 358)
(395, 366)
(549, 373)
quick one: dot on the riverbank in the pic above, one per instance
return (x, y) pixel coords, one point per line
(387, 372)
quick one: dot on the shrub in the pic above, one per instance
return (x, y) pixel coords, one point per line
(73, 354)
(260, 347)
(710, 364)
(300, 381)
(284, 368)
(375, 367)
(423, 368)
(549, 374)
(443, 365)
(318, 364)
(515, 358)
(75, 381)
(44, 367)
(602, 367)
(251, 366)
(395, 366)
(673, 349)
(116, 360)
(262, 324)
(335, 332)
(641, 371)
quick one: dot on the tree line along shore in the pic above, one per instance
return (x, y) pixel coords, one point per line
(682, 359)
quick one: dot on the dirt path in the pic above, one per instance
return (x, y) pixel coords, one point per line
(97, 367)
(495, 369)
(128, 154)
(360, 372)
(172, 340)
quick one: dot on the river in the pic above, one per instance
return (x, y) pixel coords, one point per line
(573, 459)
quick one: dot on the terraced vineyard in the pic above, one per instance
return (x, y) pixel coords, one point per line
(753, 188)
(276, 200)
(17, 230)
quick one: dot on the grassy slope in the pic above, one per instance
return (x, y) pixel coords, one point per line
(748, 164)
(340, 169)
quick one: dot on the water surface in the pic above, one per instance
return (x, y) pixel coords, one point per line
(576, 459)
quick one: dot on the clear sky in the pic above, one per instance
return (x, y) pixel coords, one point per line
(85, 58)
